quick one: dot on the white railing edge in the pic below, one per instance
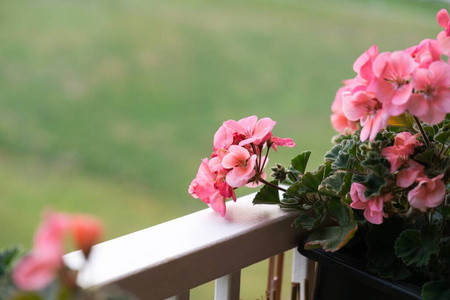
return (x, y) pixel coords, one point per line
(197, 248)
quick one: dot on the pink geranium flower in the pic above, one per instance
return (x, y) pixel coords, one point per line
(250, 130)
(223, 138)
(339, 121)
(373, 207)
(361, 106)
(407, 176)
(443, 37)
(425, 53)
(39, 268)
(428, 193)
(211, 188)
(393, 87)
(242, 166)
(398, 154)
(86, 231)
(432, 101)
(282, 142)
(363, 67)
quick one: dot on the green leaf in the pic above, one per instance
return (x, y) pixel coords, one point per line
(300, 161)
(444, 210)
(337, 185)
(415, 247)
(381, 258)
(442, 137)
(311, 181)
(429, 130)
(426, 156)
(333, 153)
(436, 290)
(334, 238)
(6, 258)
(296, 190)
(267, 195)
(342, 162)
(311, 219)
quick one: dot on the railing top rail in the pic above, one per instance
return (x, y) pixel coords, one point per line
(175, 256)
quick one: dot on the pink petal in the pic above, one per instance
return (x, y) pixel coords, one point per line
(218, 204)
(374, 217)
(442, 18)
(435, 196)
(35, 272)
(418, 104)
(235, 156)
(380, 63)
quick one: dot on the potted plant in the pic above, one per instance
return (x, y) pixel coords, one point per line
(382, 192)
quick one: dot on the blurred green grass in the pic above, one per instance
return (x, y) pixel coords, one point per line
(107, 107)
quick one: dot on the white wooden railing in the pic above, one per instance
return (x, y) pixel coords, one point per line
(169, 259)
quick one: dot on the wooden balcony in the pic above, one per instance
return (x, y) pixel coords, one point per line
(169, 259)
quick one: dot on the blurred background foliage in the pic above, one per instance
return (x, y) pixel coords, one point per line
(107, 107)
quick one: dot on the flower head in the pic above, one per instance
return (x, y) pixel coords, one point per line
(40, 267)
(431, 102)
(393, 87)
(373, 207)
(428, 193)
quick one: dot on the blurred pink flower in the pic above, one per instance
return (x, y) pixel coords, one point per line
(432, 101)
(87, 231)
(428, 193)
(393, 87)
(443, 37)
(339, 121)
(373, 207)
(425, 53)
(363, 67)
(35, 272)
(39, 268)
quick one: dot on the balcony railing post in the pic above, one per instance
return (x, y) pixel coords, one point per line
(182, 296)
(228, 287)
(303, 273)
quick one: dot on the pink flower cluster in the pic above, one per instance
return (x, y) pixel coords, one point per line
(39, 268)
(373, 207)
(237, 160)
(428, 193)
(387, 84)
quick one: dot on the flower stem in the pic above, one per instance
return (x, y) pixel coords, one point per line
(422, 131)
(272, 185)
(427, 220)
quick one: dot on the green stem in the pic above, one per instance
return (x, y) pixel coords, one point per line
(272, 185)
(427, 220)
(422, 131)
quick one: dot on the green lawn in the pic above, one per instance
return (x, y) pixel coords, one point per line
(107, 107)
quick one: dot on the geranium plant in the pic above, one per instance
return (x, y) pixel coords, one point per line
(41, 273)
(385, 181)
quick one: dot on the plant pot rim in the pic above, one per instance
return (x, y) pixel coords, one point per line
(355, 269)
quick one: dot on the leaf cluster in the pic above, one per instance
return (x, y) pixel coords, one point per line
(409, 244)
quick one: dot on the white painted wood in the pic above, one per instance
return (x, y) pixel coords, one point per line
(303, 271)
(183, 296)
(173, 257)
(228, 287)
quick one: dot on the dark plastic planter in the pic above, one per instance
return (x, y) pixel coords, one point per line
(341, 277)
